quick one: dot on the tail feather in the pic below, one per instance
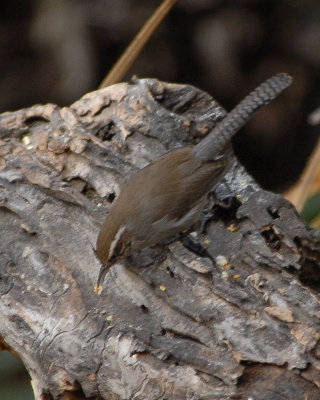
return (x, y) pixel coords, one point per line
(212, 146)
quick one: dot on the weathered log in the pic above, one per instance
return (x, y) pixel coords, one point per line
(233, 312)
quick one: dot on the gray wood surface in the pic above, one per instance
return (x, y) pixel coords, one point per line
(233, 312)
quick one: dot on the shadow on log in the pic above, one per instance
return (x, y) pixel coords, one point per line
(231, 313)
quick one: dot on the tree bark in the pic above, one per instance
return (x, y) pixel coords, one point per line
(230, 312)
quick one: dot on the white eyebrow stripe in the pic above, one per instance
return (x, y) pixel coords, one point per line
(116, 240)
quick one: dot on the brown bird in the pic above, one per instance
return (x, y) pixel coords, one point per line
(168, 195)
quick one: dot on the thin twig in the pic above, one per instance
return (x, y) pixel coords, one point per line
(121, 67)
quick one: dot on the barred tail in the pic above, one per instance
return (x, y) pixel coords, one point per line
(212, 146)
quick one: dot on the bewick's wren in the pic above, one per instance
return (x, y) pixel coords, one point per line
(168, 195)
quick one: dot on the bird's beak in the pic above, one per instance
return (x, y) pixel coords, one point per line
(99, 285)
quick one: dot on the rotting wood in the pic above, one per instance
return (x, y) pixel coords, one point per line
(241, 320)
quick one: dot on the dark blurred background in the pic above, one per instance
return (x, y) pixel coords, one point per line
(56, 51)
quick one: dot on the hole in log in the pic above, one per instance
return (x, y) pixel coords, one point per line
(107, 132)
(310, 274)
(144, 309)
(170, 272)
(35, 119)
(310, 261)
(82, 187)
(273, 213)
(88, 190)
(76, 394)
(271, 237)
(111, 197)
(226, 208)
